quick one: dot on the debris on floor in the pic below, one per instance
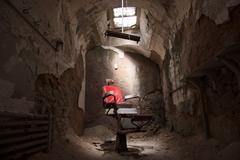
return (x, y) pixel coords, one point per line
(163, 146)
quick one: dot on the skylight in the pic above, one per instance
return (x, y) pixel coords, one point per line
(127, 21)
(129, 16)
(127, 11)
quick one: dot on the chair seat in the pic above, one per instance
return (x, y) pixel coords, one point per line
(122, 111)
(126, 105)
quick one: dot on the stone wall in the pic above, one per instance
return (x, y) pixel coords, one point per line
(187, 35)
(41, 60)
(193, 80)
(60, 97)
(135, 75)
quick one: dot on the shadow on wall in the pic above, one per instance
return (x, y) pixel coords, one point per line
(16, 77)
(136, 74)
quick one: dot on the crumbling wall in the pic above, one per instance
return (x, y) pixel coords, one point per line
(194, 48)
(29, 33)
(182, 102)
(60, 97)
(186, 34)
(223, 104)
(41, 61)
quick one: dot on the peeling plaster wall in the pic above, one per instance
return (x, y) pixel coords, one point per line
(185, 34)
(30, 66)
(145, 28)
(39, 56)
(192, 51)
(60, 96)
(218, 10)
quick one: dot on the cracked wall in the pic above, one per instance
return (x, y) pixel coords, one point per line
(39, 47)
(193, 55)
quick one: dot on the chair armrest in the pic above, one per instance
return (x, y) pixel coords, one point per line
(127, 97)
(109, 106)
(109, 94)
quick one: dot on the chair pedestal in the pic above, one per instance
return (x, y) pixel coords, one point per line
(121, 142)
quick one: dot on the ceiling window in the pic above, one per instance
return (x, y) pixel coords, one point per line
(129, 16)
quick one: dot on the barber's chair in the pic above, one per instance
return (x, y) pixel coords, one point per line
(116, 106)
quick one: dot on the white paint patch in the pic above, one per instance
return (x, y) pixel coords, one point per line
(81, 99)
(117, 50)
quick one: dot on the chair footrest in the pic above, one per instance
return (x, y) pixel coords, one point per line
(122, 111)
(142, 117)
(126, 131)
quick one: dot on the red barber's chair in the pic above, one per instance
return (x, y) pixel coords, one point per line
(116, 105)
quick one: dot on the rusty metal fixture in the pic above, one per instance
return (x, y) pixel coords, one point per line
(122, 35)
(24, 134)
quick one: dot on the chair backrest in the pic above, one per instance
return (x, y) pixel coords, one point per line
(116, 91)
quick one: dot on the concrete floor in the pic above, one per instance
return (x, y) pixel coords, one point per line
(163, 146)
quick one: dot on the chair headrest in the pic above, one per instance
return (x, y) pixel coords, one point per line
(114, 90)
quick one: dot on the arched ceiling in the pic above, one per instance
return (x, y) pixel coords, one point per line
(156, 19)
(160, 19)
(93, 7)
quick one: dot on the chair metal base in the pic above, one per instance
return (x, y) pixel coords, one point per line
(121, 142)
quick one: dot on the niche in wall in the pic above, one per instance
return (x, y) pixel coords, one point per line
(135, 74)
